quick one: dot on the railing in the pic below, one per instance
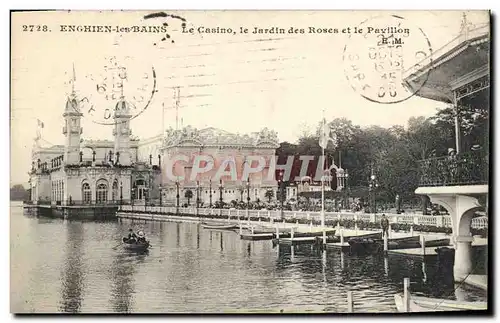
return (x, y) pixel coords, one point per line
(469, 168)
(415, 219)
(480, 222)
(81, 203)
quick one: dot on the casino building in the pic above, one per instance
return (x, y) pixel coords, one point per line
(104, 174)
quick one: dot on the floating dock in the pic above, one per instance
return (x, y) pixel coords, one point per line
(256, 236)
(429, 252)
(344, 246)
(303, 240)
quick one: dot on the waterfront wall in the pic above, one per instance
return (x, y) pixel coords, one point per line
(72, 212)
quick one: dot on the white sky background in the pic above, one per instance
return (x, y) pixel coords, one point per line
(237, 91)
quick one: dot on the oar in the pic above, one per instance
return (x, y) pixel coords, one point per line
(117, 245)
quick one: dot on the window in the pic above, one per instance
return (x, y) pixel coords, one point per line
(86, 193)
(114, 192)
(102, 193)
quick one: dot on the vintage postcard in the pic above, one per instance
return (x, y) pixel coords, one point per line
(249, 161)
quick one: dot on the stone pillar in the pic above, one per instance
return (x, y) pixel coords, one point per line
(463, 257)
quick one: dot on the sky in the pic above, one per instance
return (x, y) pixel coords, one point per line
(236, 82)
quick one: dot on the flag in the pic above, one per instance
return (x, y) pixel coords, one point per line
(326, 136)
(40, 123)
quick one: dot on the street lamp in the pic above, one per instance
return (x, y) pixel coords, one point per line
(133, 196)
(197, 196)
(210, 192)
(347, 189)
(177, 196)
(281, 187)
(372, 189)
(121, 193)
(146, 198)
(220, 197)
(248, 200)
(161, 193)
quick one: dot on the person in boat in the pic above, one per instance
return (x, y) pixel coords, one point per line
(141, 237)
(384, 224)
(132, 237)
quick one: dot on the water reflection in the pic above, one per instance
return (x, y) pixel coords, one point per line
(198, 237)
(178, 234)
(191, 269)
(121, 277)
(73, 275)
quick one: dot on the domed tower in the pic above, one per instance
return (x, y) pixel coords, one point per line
(72, 129)
(122, 133)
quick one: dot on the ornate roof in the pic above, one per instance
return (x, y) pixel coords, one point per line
(122, 108)
(192, 137)
(72, 106)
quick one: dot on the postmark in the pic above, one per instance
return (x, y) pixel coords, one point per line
(378, 58)
(114, 80)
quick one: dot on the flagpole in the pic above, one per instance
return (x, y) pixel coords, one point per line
(323, 184)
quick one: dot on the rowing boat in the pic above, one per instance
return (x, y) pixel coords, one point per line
(135, 245)
(427, 304)
(328, 233)
(371, 244)
(219, 226)
(139, 246)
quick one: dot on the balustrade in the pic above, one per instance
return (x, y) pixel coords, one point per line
(438, 221)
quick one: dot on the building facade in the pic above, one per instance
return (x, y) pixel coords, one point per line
(222, 157)
(128, 170)
(93, 172)
(458, 182)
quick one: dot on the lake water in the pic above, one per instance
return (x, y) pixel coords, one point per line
(71, 266)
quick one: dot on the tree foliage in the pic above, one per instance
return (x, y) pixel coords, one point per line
(18, 193)
(393, 152)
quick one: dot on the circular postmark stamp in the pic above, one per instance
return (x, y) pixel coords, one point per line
(385, 59)
(116, 80)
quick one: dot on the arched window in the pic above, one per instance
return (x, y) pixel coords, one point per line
(114, 192)
(101, 193)
(86, 193)
(140, 187)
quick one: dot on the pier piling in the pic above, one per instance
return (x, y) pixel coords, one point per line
(349, 302)
(389, 231)
(291, 234)
(386, 243)
(406, 294)
(411, 230)
(277, 231)
(422, 243)
(342, 237)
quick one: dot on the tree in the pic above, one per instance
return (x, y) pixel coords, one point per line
(474, 124)
(18, 193)
(269, 195)
(189, 195)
